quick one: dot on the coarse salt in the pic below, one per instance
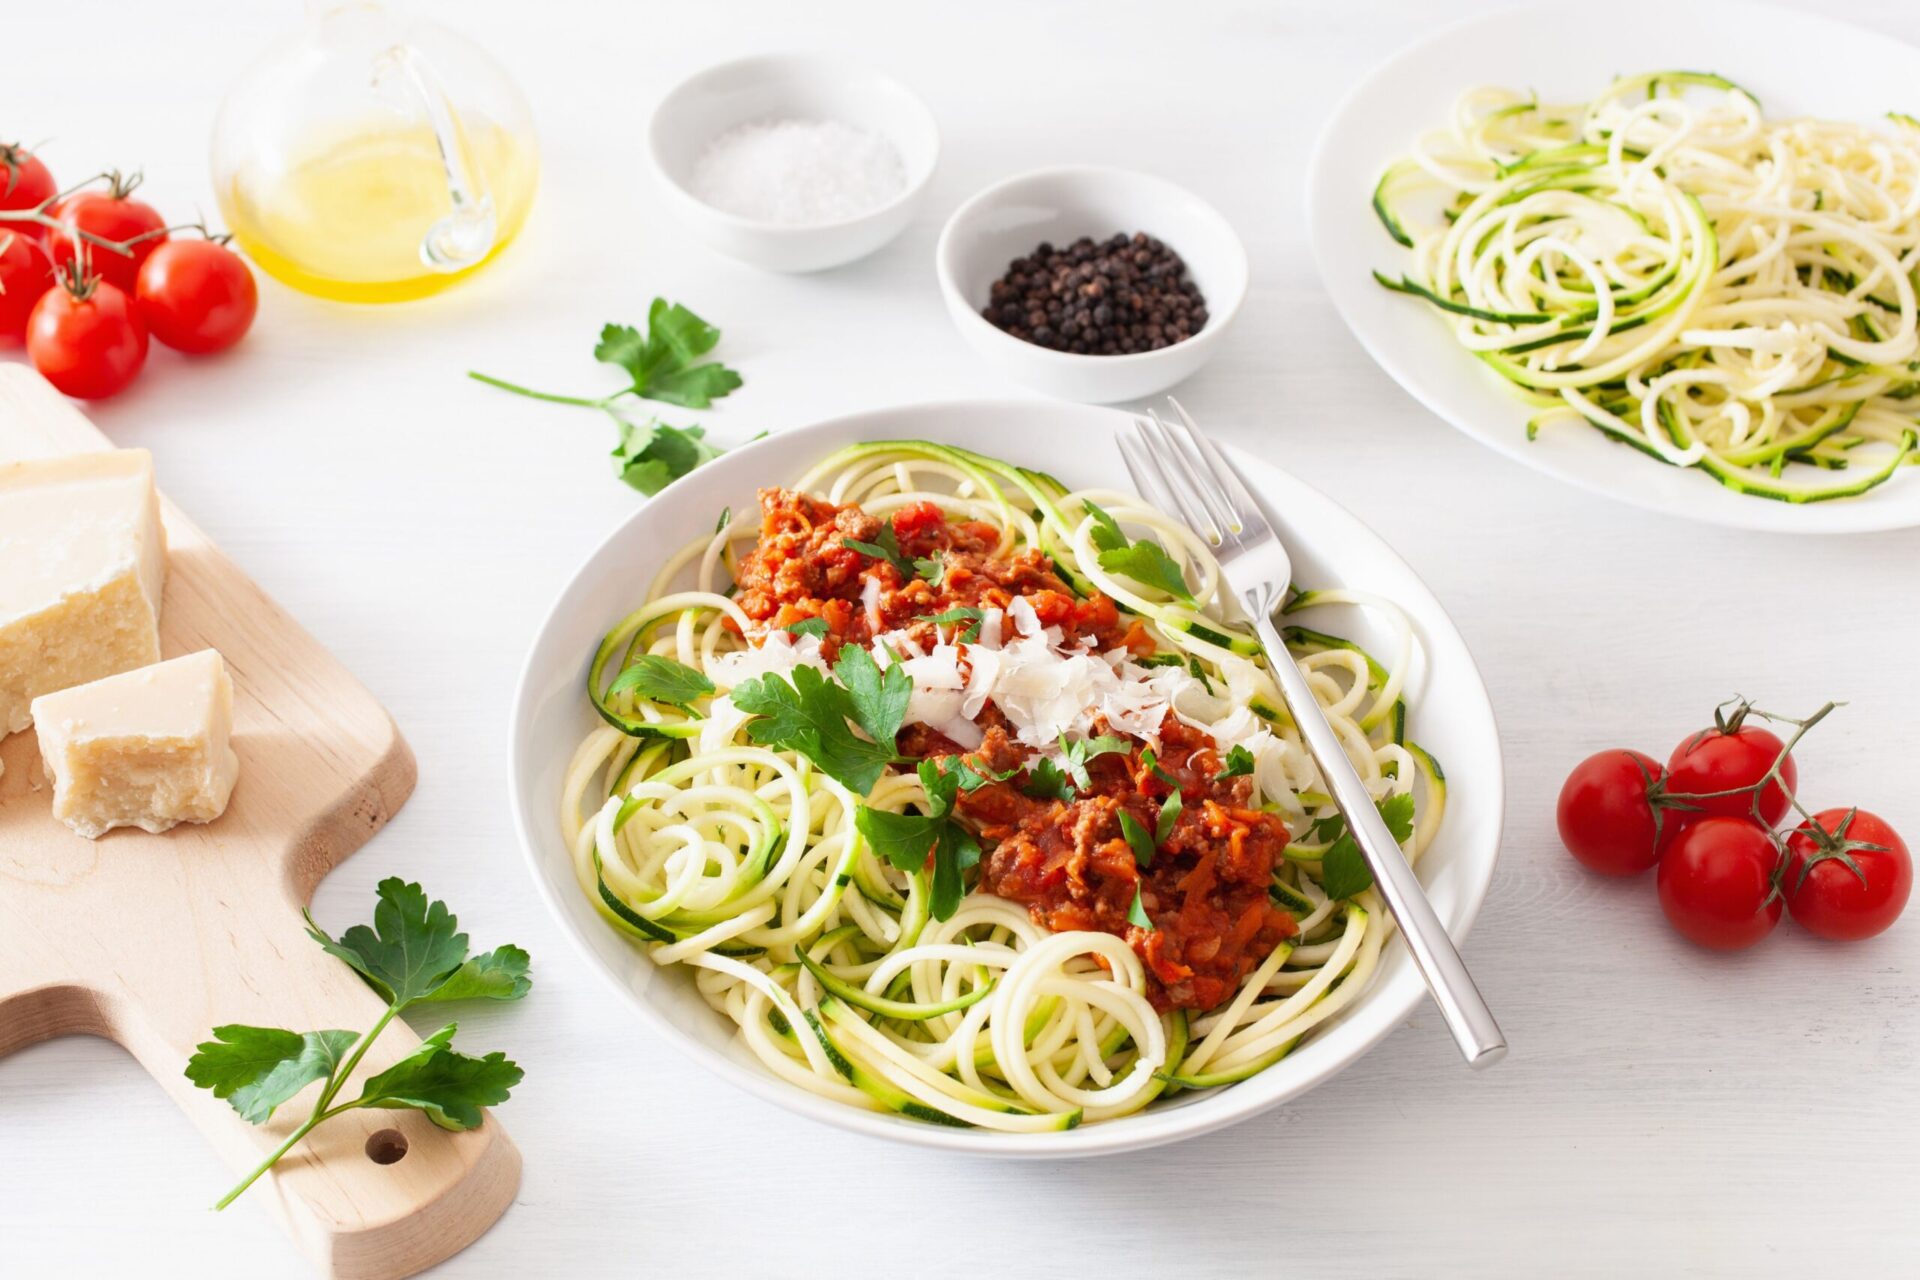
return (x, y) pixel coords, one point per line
(798, 172)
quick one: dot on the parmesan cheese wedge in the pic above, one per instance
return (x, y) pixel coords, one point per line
(82, 566)
(147, 748)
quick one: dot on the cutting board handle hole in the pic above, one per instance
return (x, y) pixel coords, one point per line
(386, 1146)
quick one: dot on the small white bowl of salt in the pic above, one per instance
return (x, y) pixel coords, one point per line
(793, 162)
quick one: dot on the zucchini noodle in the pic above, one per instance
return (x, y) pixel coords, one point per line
(744, 864)
(1712, 288)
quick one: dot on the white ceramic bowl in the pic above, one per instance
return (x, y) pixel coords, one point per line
(790, 87)
(1806, 64)
(1007, 220)
(1449, 715)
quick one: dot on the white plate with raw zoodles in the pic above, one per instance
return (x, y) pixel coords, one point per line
(1668, 256)
(807, 962)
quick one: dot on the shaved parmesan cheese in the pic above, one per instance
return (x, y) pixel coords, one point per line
(937, 699)
(1044, 694)
(777, 655)
(722, 722)
(870, 601)
(961, 730)
(1135, 707)
(983, 670)
(990, 629)
(939, 669)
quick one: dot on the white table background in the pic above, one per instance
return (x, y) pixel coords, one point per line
(1663, 1108)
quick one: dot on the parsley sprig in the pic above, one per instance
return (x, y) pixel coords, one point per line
(1343, 868)
(814, 715)
(886, 546)
(1238, 764)
(664, 364)
(658, 678)
(412, 954)
(1145, 561)
(907, 840)
(1064, 780)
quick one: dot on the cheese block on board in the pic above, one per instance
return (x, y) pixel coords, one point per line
(83, 559)
(147, 748)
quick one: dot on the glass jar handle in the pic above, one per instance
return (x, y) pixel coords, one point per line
(466, 235)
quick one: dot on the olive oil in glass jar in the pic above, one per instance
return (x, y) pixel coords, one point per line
(374, 157)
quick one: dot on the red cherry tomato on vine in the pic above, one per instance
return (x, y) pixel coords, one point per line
(1716, 883)
(24, 182)
(1723, 758)
(110, 215)
(1826, 896)
(86, 338)
(196, 296)
(1605, 816)
(25, 274)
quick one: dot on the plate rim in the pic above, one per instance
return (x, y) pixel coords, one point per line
(1845, 516)
(1132, 1132)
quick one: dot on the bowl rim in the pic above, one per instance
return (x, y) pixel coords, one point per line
(978, 329)
(1133, 1132)
(786, 63)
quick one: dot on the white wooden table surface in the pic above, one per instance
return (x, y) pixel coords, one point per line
(1663, 1109)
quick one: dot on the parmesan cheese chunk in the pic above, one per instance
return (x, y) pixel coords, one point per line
(146, 748)
(82, 564)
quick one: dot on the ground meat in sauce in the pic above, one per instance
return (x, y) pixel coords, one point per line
(1067, 862)
(1206, 890)
(802, 568)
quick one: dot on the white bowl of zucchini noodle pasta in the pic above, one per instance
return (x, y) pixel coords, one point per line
(1666, 253)
(916, 797)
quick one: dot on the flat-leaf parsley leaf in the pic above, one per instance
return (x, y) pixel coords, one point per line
(885, 546)
(1343, 868)
(908, 840)
(658, 678)
(1137, 913)
(651, 455)
(661, 364)
(809, 713)
(1238, 764)
(1145, 561)
(413, 953)
(1137, 839)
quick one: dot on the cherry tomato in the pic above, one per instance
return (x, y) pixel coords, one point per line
(109, 215)
(1716, 883)
(196, 296)
(24, 181)
(1739, 755)
(87, 338)
(25, 274)
(1606, 819)
(1826, 896)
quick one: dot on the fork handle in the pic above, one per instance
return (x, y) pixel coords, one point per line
(1466, 1013)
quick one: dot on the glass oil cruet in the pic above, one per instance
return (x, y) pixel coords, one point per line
(373, 157)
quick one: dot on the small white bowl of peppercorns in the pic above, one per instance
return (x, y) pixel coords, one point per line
(1091, 284)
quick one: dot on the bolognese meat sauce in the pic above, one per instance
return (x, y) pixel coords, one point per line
(1065, 859)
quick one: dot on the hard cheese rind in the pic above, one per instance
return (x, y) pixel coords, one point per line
(83, 560)
(147, 748)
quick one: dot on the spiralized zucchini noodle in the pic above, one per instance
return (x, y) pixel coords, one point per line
(744, 864)
(1713, 288)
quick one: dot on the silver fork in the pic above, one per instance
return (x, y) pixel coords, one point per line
(1179, 468)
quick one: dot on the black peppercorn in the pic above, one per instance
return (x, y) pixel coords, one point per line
(1117, 296)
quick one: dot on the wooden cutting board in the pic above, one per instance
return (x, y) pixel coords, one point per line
(153, 940)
